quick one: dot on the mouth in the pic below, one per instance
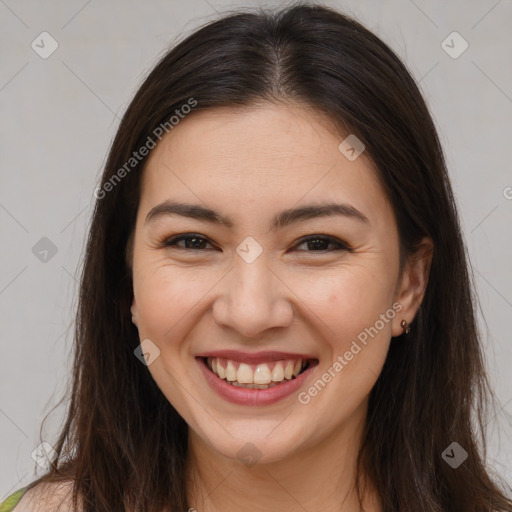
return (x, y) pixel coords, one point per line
(256, 379)
(257, 376)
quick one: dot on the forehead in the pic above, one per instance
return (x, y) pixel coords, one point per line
(260, 158)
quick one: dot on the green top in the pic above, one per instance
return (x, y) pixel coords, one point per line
(11, 501)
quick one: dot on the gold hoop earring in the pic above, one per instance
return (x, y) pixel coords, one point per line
(406, 327)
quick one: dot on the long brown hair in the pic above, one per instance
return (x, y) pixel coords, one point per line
(123, 444)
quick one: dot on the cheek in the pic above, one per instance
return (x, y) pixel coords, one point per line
(348, 306)
(356, 339)
(347, 302)
(165, 297)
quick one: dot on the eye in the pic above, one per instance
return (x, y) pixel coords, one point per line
(192, 241)
(320, 242)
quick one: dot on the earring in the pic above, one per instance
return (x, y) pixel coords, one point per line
(406, 327)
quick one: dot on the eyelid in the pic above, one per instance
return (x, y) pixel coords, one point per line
(341, 244)
(173, 239)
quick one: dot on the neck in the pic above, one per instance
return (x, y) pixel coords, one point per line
(316, 478)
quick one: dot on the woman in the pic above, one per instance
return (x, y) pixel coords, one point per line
(275, 308)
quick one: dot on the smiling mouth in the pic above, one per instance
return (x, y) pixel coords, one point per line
(257, 376)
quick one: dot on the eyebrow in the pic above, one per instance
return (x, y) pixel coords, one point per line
(283, 219)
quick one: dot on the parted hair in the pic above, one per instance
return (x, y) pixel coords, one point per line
(123, 445)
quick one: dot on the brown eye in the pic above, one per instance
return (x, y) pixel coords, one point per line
(192, 241)
(320, 243)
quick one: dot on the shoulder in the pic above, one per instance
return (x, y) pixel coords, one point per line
(53, 497)
(8, 504)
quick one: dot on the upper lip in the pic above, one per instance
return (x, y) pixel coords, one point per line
(254, 357)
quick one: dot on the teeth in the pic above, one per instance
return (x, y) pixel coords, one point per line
(262, 375)
(255, 377)
(221, 372)
(231, 373)
(253, 386)
(288, 371)
(278, 373)
(245, 374)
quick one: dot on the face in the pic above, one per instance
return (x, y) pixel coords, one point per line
(267, 287)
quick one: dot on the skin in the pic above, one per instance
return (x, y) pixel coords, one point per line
(250, 164)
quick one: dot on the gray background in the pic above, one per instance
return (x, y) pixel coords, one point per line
(59, 116)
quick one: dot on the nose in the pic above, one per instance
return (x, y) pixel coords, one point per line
(253, 298)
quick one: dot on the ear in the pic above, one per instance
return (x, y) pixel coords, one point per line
(413, 285)
(134, 312)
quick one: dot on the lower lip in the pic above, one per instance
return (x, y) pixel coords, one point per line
(247, 396)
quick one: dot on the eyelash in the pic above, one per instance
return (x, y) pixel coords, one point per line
(342, 246)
